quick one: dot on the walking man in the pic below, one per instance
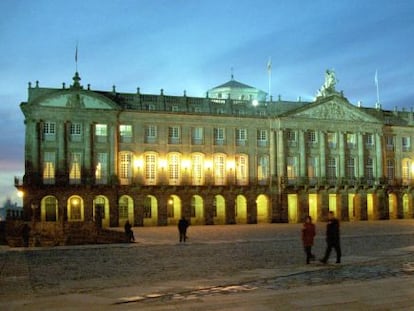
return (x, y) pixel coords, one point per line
(182, 229)
(332, 238)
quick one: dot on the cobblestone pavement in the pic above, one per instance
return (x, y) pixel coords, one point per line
(218, 261)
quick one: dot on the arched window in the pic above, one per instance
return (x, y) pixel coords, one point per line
(197, 162)
(263, 169)
(125, 168)
(174, 168)
(219, 169)
(150, 168)
(49, 209)
(242, 169)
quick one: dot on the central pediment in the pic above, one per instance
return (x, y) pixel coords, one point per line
(334, 109)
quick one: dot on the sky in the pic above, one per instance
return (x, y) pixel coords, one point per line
(194, 45)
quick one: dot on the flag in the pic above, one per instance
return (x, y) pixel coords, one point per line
(376, 77)
(269, 65)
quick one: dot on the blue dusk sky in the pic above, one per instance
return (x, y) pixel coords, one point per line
(192, 45)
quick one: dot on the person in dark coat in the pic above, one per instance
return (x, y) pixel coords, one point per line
(332, 239)
(308, 234)
(128, 232)
(182, 229)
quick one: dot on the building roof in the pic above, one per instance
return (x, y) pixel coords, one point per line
(234, 84)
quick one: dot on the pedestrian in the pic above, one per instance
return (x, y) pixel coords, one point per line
(332, 239)
(25, 235)
(182, 229)
(308, 234)
(128, 232)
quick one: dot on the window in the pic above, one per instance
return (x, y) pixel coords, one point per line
(49, 130)
(291, 136)
(75, 168)
(331, 168)
(150, 134)
(262, 138)
(219, 136)
(242, 177)
(332, 140)
(263, 168)
(125, 167)
(351, 140)
(291, 169)
(101, 169)
(312, 167)
(406, 143)
(197, 136)
(350, 168)
(369, 141)
(390, 169)
(241, 137)
(406, 169)
(150, 169)
(101, 132)
(219, 169)
(197, 161)
(369, 169)
(75, 209)
(75, 131)
(174, 135)
(49, 165)
(174, 161)
(311, 137)
(50, 209)
(389, 141)
(125, 131)
(123, 207)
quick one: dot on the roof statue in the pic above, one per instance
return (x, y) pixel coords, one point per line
(328, 87)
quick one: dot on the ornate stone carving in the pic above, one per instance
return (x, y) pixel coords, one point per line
(331, 111)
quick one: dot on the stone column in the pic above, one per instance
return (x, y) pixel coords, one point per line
(302, 154)
(322, 162)
(342, 160)
(208, 209)
(361, 160)
(379, 160)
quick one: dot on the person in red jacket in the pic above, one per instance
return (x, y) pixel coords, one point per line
(308, 233)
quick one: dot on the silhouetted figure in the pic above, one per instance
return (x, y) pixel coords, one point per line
(25, 235)
(308, 233)
(128, 232)
(182, 229)
(332, 239)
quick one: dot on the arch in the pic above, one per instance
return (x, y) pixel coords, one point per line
(197, 210)
(292, 208)
(406, 201)
(241, 209)
(262, 205)
(75, 208)
(219, 212)
(393, 204)
(150, 211)
(125, 210)
(313, 206)
(101, 203)
(174, 211)
(49, 210)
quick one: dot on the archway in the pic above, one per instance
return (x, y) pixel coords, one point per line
(292, 208)
(197, 210)
(241, 209)
(75, 208)
(101, 204)
(313, 206)
(49, 208)
(392, 201)
(125, 210)
(219, 211)
(262, 203)
(173, 209)
(406, 206)
(351, 207)
(150, 211)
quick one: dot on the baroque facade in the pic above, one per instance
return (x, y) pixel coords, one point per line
(227, 158)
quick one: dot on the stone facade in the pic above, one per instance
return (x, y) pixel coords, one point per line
(96, 156)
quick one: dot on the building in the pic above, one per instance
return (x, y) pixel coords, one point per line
(227, 158)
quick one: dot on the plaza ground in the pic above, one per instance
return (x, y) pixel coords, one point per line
(233, 267)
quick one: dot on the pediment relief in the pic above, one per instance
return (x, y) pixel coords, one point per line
(77, 100)
(334, 111)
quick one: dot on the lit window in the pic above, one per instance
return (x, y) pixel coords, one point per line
(242, 168)
(75, 209)
(101, 169)
(312, 167)
(174, 161)
(263, 168)
(219, 169)
(123, 207)
(332, 140)
(75, 168)
(125, 167)
(291, 167)
(150, 169)
(125, 131)
(197, 161)
(49, 164)
(101, 130)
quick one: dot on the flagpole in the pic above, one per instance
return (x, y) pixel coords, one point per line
(269, 72)
(76, 57)
(377, 105)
